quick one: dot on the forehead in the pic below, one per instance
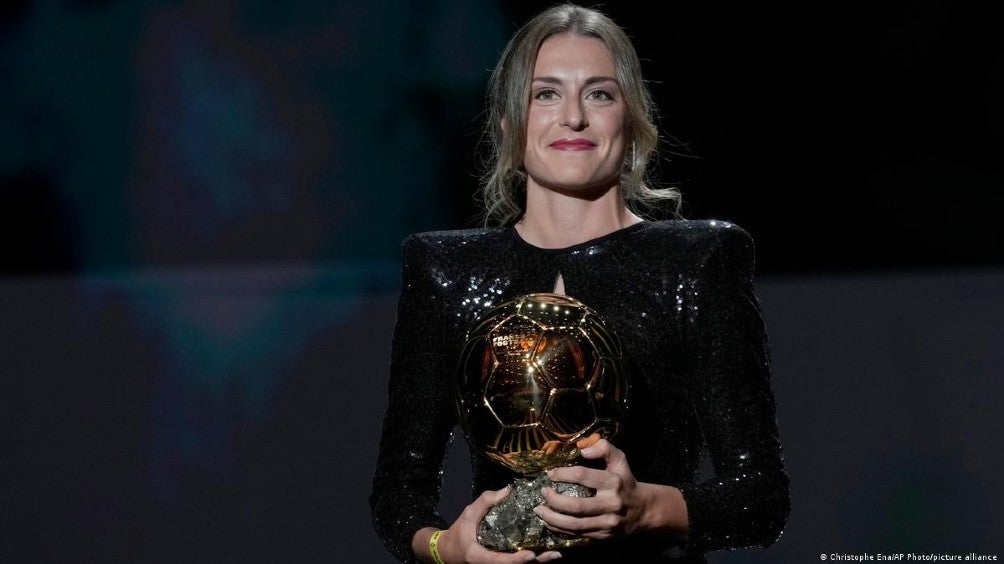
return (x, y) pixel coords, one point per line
(572, 55)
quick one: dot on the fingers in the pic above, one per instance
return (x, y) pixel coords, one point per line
(524, 556)
(583, 506)
(589, 477)
(521, 556)
(478, 553)
(493, 497)
(603, 449)
(606, 514)
(506, 558)
(597, 526)
(477, 509)
(488, 498)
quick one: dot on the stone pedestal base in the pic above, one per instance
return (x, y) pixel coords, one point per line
(512, 525)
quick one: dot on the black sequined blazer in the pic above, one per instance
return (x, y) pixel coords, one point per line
(679, 294)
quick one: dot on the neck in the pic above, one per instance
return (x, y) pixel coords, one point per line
(554, 220)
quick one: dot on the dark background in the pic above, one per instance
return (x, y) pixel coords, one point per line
(202, 205)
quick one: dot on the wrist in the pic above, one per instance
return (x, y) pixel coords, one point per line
(437, 558)
(650, 515)
(448, 549)
(420, 544)
(664, 511)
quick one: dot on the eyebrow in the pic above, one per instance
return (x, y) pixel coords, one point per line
(589, 81)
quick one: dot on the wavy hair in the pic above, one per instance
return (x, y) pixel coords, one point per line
(503, 185)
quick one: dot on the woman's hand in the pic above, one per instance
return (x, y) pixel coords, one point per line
(622, 506)
(459, 543)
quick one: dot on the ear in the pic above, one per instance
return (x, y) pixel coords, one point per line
(504, 125)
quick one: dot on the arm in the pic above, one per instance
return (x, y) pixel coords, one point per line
(420, 417)
(746, 503)
(420, 413)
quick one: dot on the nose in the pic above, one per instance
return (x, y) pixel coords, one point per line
(573, 115)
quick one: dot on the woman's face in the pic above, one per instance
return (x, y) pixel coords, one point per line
(575, 133)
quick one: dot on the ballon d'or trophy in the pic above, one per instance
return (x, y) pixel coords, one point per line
(536, 375)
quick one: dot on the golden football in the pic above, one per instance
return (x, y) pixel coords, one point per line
(535, 375)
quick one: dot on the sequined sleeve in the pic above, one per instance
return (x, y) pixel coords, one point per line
(746, 502)
(420, 413)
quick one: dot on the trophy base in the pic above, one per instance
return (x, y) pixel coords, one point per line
(511, 525)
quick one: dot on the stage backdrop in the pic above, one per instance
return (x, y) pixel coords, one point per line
(202, 202)
(234, 414)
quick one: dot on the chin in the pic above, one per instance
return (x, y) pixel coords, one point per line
(578, 186)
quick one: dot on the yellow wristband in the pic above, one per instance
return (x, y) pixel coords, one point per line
(434, 547)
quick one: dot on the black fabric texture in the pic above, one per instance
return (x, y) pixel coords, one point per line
(679, 295)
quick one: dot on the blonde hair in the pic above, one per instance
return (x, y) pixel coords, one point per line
(503, 188)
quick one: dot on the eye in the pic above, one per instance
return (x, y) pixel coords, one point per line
(601, 95)
(545, 95)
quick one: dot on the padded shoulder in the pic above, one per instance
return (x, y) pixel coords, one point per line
(452, 240)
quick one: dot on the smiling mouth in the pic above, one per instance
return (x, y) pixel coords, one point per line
(573, 145)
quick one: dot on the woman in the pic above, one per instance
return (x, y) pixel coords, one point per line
(572, 132)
